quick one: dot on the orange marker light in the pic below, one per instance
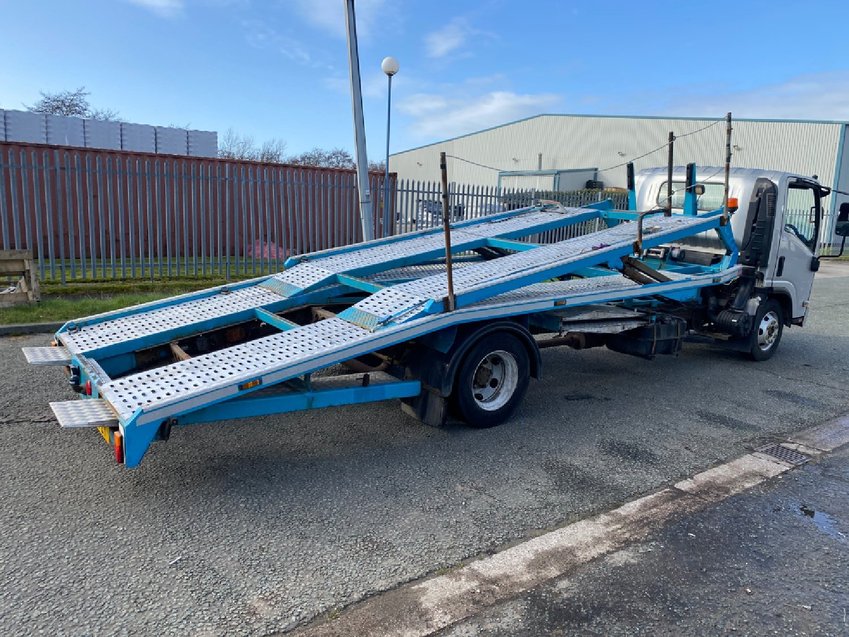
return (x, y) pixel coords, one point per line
(250, 384)
(733, 204)
(118, 441)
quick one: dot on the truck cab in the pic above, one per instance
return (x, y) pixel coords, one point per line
(776, 226)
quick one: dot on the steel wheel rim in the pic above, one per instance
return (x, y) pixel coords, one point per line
(768, 330)
(495, 380)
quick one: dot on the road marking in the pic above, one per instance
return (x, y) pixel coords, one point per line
(426, 606)
(825, 437)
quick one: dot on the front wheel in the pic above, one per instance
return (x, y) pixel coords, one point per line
(491, 381)
(766, 331)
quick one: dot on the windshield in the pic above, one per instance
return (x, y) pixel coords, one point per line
(710, 200)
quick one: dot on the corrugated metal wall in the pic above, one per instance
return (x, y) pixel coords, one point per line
(575, 141)
(841, 180)
(102, 214)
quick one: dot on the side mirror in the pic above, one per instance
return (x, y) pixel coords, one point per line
(841, 228)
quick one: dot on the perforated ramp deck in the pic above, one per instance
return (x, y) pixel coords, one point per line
(406, 300)
(145, 323)
(316, 270)
(218, 374)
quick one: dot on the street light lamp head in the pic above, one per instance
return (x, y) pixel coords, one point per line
(389, 66)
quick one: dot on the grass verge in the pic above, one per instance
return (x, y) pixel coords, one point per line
(77, 299)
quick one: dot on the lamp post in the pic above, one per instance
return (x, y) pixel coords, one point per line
(390, 67)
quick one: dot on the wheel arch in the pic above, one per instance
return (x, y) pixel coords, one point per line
(468, 335)
(782, 297)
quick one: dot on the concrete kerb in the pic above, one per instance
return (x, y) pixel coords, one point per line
(426, 606)
(22, 329)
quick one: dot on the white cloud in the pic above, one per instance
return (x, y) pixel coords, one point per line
(812, 96)
(449, 38)
(329, 15)
(261, 36)
(373, 84)
(162, 8)
(435, 116)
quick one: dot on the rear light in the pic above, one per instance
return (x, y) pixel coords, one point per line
(87, 388)
(118, 442)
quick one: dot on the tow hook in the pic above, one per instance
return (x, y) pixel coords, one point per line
(74, 378)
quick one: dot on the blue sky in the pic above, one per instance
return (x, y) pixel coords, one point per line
(278, 68)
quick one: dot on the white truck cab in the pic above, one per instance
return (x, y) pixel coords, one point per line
(776, 225)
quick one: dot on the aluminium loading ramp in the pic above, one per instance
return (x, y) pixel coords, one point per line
(163, 321)
(516, 284)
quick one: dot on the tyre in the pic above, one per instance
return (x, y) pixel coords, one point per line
(766, 331)
(491, 381)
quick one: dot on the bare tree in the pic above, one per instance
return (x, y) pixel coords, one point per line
(334, 158)
(71, 103)
(232, 145)
(272, 151)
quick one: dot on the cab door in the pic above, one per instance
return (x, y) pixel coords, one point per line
(798, 237)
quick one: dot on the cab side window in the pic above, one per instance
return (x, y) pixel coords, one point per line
(800, 214)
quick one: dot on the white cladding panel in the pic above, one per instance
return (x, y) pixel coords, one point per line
(102, 134)
(138, 137)
(39, 128)
(171, 141)
(23, 126)
(65, 131)
(203, 143)
(575, 141)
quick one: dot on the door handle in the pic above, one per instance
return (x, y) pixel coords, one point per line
(780, 269)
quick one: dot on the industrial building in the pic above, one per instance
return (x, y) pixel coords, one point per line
(563, 152)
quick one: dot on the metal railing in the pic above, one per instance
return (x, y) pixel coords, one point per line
(90, 214)
(418, 205)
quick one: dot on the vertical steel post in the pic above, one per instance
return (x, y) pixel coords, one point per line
(36, 200)
(632, 187)
(110, 214)
(157, 211)
(119, 182)
(668, 211)
(691, 204)
(446, 226)
(366, 218)
(227, 220)
(4, 215)
(48, 215)
(727, 167)
(16, 210)
(170, 182)
(386, 213)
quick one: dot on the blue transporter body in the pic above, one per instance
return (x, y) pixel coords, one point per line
(252, 348)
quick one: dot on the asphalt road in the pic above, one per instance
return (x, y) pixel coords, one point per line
(769, 562)
(252, 527)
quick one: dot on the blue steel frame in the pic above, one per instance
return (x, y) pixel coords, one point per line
(97, 365)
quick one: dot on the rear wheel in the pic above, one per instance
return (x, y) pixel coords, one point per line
(491, 381)
(766, 331)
